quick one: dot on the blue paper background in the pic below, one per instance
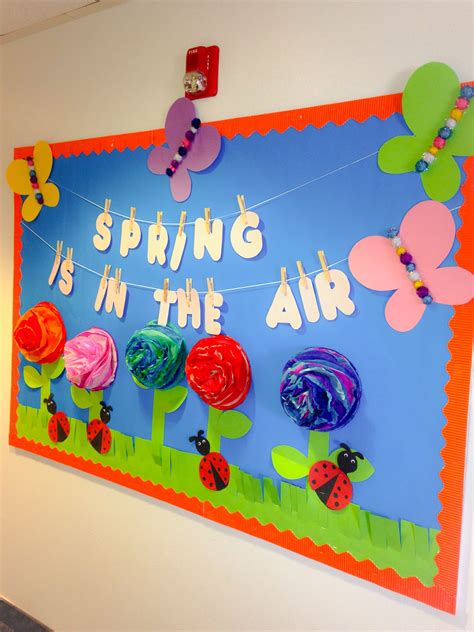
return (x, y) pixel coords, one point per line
(398, 425)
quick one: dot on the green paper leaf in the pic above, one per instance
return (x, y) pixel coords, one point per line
(171, 399)
(364, 470)
(33, 378)
(81, 397)
(443, 178)
(54, 370)
(232, 424)
(461, 142)
(290, 462)
(399, 154)
(429, 96)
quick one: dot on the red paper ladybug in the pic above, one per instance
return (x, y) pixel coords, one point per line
(58, 425)
(214, 471)
(98, 434)
(330, 482)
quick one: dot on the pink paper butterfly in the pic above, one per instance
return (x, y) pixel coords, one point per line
(202, 153)
(427, 232)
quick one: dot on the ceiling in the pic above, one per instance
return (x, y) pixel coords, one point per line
(19, 18)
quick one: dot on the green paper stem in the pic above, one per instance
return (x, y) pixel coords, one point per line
(213, 433)
(318, 446)
(164, 401)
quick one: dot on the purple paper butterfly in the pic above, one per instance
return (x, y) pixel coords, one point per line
(201, 154)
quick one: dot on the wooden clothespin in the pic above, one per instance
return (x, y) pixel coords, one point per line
(207, 217)
(159, 219)
(107, 204)
(133, 212)
(324, 265)
(69, 252)
(303, 276)
(182, 222)
(118, 276)
(243, 210)
(59, 249)
(284, 282)
(166, 287)
(189, 287)
(105, 275)
(210, 289)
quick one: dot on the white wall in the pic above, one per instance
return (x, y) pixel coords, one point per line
(81, 554)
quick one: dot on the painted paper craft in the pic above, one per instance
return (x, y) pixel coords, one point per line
(191, 147)
(164, 401)
(428, 231)
(436, 110)
(29, 177)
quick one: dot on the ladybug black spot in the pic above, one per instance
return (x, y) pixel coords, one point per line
(218, 469)
(325, 476)
(211, 484)
(336, 504)
(336, 494)
(208, 471)
(324, 465)
(316, 469)
(346, 497)
(313, 481)
(333, 467)
(338, 488)
(345, 482)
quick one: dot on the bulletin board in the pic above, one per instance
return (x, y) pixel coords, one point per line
(314, 180)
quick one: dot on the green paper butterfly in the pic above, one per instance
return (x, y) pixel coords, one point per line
(429, 96)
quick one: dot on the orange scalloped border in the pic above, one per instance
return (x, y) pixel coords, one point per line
(443, 594)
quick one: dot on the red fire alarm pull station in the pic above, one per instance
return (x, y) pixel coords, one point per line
(202, 72)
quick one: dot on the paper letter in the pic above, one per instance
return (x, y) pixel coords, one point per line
(185, 310)
(164, 312)
(67, 270)
(308, 296)
(131, 236)
(113, 298)
(334, 298)
(54, 270)
(178, 249)
(252, 245)
(212, 313)
(157, 243)
(102, 225)
(211, 241)
(284, 309)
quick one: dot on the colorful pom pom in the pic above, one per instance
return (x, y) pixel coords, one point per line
(411, 267)
(407, 260)
(400, 250)
(439, 142)
(433, 150)
(422, 291)
(196, 123)
(429, 158)
(417, 284)
(462, 103)
(456, 114)
(467, 92)
(392, 232)
(445, 132)
(451, 123)
(427, 299)
(421, 166)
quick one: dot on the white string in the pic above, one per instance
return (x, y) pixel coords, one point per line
(248, 208)
(223, 291)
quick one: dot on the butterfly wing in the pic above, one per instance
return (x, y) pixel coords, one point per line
(18, 177)
(178, 121)
(181, 184)
(450, 286)
(43, 157)
(204, 150)
(159, 160)
(373, 263)
(427, 99)
(404, 309)
(427, 232)
(442, 180)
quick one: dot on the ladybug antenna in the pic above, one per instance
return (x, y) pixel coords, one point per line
(103, 404)
(200, 433)
(50, 398)
(109, 408)
(346, 447)
(358, 455)
(192, 439)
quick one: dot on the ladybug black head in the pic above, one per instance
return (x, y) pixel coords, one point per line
(202, 444)
(105, 412)
(51, 404)
(347, 459)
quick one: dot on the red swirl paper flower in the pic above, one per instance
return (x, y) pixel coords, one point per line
(218, 370)
(40, 333)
